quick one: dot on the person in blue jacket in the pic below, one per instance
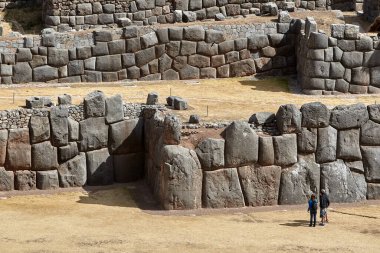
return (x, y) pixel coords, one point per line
(313, 208)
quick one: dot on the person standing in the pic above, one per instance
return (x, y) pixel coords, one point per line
(313, 209)
(325, 203)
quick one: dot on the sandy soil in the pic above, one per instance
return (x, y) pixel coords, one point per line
(110, 221)
(226, 99)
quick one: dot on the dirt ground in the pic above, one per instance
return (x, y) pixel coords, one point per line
(226, 99)
(110, 220)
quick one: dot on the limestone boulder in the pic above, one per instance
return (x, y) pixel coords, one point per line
(285, 149)
(315, 115)
(18, 150)
(371, 163)
(25, 180)
(67, 152)
(59, 126)
(370, 134)
(327, 144)
(95, 104)
(348, 147)
(93, 134)
(181, 179)
(241, 145)
(127, 136)
(39, 129)
(100, 169)
(44, 156)
(6, 180)
(22, 73)
(349, 116)
(128, 167)
(260, 185)
(288, 118)
(47, 180)
(114, 109)
(299, 181)
(211, 153)
(221, 189)
(340, 183)
(73, 173)
(307, 140)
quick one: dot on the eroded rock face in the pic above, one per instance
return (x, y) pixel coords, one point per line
(73, 173)
(6, 180)
(299, 181)
(39, 129)
(44, 156)
(59, 126)
(241, 146)
(181, 179)
(349, 116)
(95, 104)
(315, 115)
(371, 162)
(260, 185)
(47, 180)
(221, 189)
(211, 153)
(341, 184)
(19, 150)
(25, 180)
(326, 147)
(288, 118)
(285, 149)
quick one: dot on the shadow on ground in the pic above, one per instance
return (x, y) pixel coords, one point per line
(135, 195)
(268, 84)
(296, 223)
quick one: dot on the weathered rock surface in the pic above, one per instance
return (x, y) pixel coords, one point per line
(3, 146)
(211, 153)
(181, 179)
(373, 191)
(326, 147)
(93, 134)
(285, 149)
(94, 104)
(307, 140)
(260, 185)
(266, 151)
(47, 180)
(25, 180)
(370, 133)
(371, 162)
(73, 173)
(348, 147)
(59, 126)
(19, 150)
(288, 119)
(67, 152)
(241, 144)
(44, 156)
(299, 181)
(221, 189)
(39, 129)
(128, 167)
(349, 116)
(315, 115)
(127, 136)
(99, 167)
(114, 109)
(6, 180)
(340, 183)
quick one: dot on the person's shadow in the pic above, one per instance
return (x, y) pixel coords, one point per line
(296, 223)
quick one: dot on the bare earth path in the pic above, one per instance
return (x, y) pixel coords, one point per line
(108, 220)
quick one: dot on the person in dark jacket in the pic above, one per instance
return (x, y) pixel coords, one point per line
(324, 204)
(313, 208)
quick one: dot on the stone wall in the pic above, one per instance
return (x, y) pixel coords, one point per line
(345, 62)
(155, 54)
(64, 15)
(371, 9)
(97, 143)
(317, 148)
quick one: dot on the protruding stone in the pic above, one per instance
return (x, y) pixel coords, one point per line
(47, 180)
(315, 115)
(211, 153)
(114, 109)
(44, 156)
(99, 167)
(93, 134)
(152, 98)
(288, 119)
(349, 116)
(94, 104)
(73, 173)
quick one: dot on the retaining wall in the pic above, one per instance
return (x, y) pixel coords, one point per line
(318, 148)
(345, 62)
(97, 143)
(153, 54)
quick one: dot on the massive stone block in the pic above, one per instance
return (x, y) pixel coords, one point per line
(45, 73)
(94, 104)
(242, 68)
(6, 180)
(348, 116)
(25, 180)
(266, 151)
(373, 191)
(221, 189)
(288, 119)
(44, 156)
(181, 178)
(127, 136)
(307, 140)
(317, 41)
(374, 112)
(18, 150)
(114, 109)
(93, 134)
(348, 147)
(73, 129)
(370, 134)
(59, 126)
(100, 169)
(260, 184)
(128, 167)
(3, 146)
(241, 146)
(22, 73)
(68, 152)
(341, 184)
(73, 172)
(47, 180)
(211, 153)
(39, 129)
(326, 147)
(285, 149)
(108, 63)
(315, 115)
(371, 163)
(299, 181)
(57, 57)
